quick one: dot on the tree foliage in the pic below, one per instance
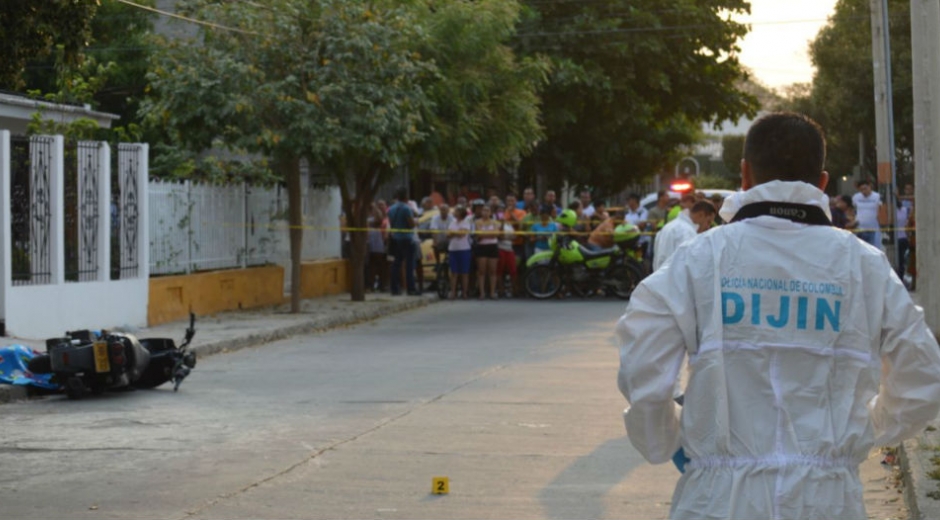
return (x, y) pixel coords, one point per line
(32, 29)
(357, 88)
(840, 96)
(631, 82)
(486, 104)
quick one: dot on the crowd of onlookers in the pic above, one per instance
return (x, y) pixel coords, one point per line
(863, 214)
(491, 239)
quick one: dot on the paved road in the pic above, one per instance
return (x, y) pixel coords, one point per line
(516, 402)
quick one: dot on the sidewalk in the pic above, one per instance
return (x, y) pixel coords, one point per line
(920, 462)
(226, 332)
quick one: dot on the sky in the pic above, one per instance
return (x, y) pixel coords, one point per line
(777, 52)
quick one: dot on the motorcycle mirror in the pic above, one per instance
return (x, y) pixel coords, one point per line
(191, 331)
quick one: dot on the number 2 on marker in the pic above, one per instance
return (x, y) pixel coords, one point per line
(440, 485)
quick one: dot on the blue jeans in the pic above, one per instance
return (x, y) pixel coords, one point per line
(867, 236)
(404, 251)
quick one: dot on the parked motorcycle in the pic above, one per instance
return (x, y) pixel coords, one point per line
(584, 271)
(95, 361)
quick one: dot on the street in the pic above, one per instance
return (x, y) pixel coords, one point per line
(515, 401)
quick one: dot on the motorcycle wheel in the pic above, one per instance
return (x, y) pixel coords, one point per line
(74, 388)
(624, 279)
(542, 282)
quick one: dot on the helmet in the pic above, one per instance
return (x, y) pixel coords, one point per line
(625, 232)
(568, 218)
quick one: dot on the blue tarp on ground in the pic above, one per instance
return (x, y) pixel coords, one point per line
(14, 371)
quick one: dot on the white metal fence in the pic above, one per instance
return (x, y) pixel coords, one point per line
(198, 227)
(72, 231)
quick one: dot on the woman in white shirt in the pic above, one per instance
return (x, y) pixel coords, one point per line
(488, 231)
(458, 251)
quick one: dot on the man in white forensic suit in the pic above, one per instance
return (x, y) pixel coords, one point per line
(804, 348)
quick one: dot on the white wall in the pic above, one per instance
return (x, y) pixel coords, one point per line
(322, 238)
(44, 311)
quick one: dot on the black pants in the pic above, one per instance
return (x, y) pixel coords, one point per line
(903, 247)
(404, 252)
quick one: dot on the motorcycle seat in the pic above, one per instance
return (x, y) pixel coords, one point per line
(591, 254)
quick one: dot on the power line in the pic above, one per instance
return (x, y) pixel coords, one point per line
(186, 19)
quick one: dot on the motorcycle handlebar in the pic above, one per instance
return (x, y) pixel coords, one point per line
(191, 331)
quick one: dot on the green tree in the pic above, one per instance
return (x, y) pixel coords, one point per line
(108, 74)
(333, 81)
(31, 30)
(840, 96)
(350, 85)
(631, 82)
(486, 104)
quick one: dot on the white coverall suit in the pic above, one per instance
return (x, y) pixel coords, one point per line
(786, 326)
(671, 236)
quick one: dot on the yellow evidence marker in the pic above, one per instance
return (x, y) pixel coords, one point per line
(440, 485)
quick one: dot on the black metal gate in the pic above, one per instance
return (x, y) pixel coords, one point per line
(31, 209)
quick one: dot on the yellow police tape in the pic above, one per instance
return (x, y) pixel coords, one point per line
(346, 229)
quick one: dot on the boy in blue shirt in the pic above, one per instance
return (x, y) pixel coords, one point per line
(543, 229)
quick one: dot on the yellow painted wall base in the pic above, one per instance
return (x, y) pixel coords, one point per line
(323, 278)
(172, 297)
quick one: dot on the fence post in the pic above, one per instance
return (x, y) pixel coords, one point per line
(57, 210)
(6, 218)
(104, 210)
(188, 184)
(244, 225)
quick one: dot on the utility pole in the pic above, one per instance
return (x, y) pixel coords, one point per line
(884, 106)
(925, 50)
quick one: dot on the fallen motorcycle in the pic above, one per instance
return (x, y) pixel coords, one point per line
(95, 361)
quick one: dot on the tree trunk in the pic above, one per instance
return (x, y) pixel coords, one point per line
(357, 264)
(295, 220)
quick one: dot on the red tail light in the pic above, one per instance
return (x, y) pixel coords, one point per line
(681, 186)
(117, 354)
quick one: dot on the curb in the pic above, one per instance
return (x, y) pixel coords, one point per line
(354, 317)
(12, 393)
(916, 464)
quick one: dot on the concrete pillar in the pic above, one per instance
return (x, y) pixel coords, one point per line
(6, 242)
(57, 210)
(925, 35)
(143, 220)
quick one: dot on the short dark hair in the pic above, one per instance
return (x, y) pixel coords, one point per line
(401, 193)
(634, 196)
(863, 182)
(574, 204)
(847, 200)
(660, 193)
(785, 146)
(703, 206)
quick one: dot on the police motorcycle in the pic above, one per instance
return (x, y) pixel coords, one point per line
(615, 271)
(88, 361)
